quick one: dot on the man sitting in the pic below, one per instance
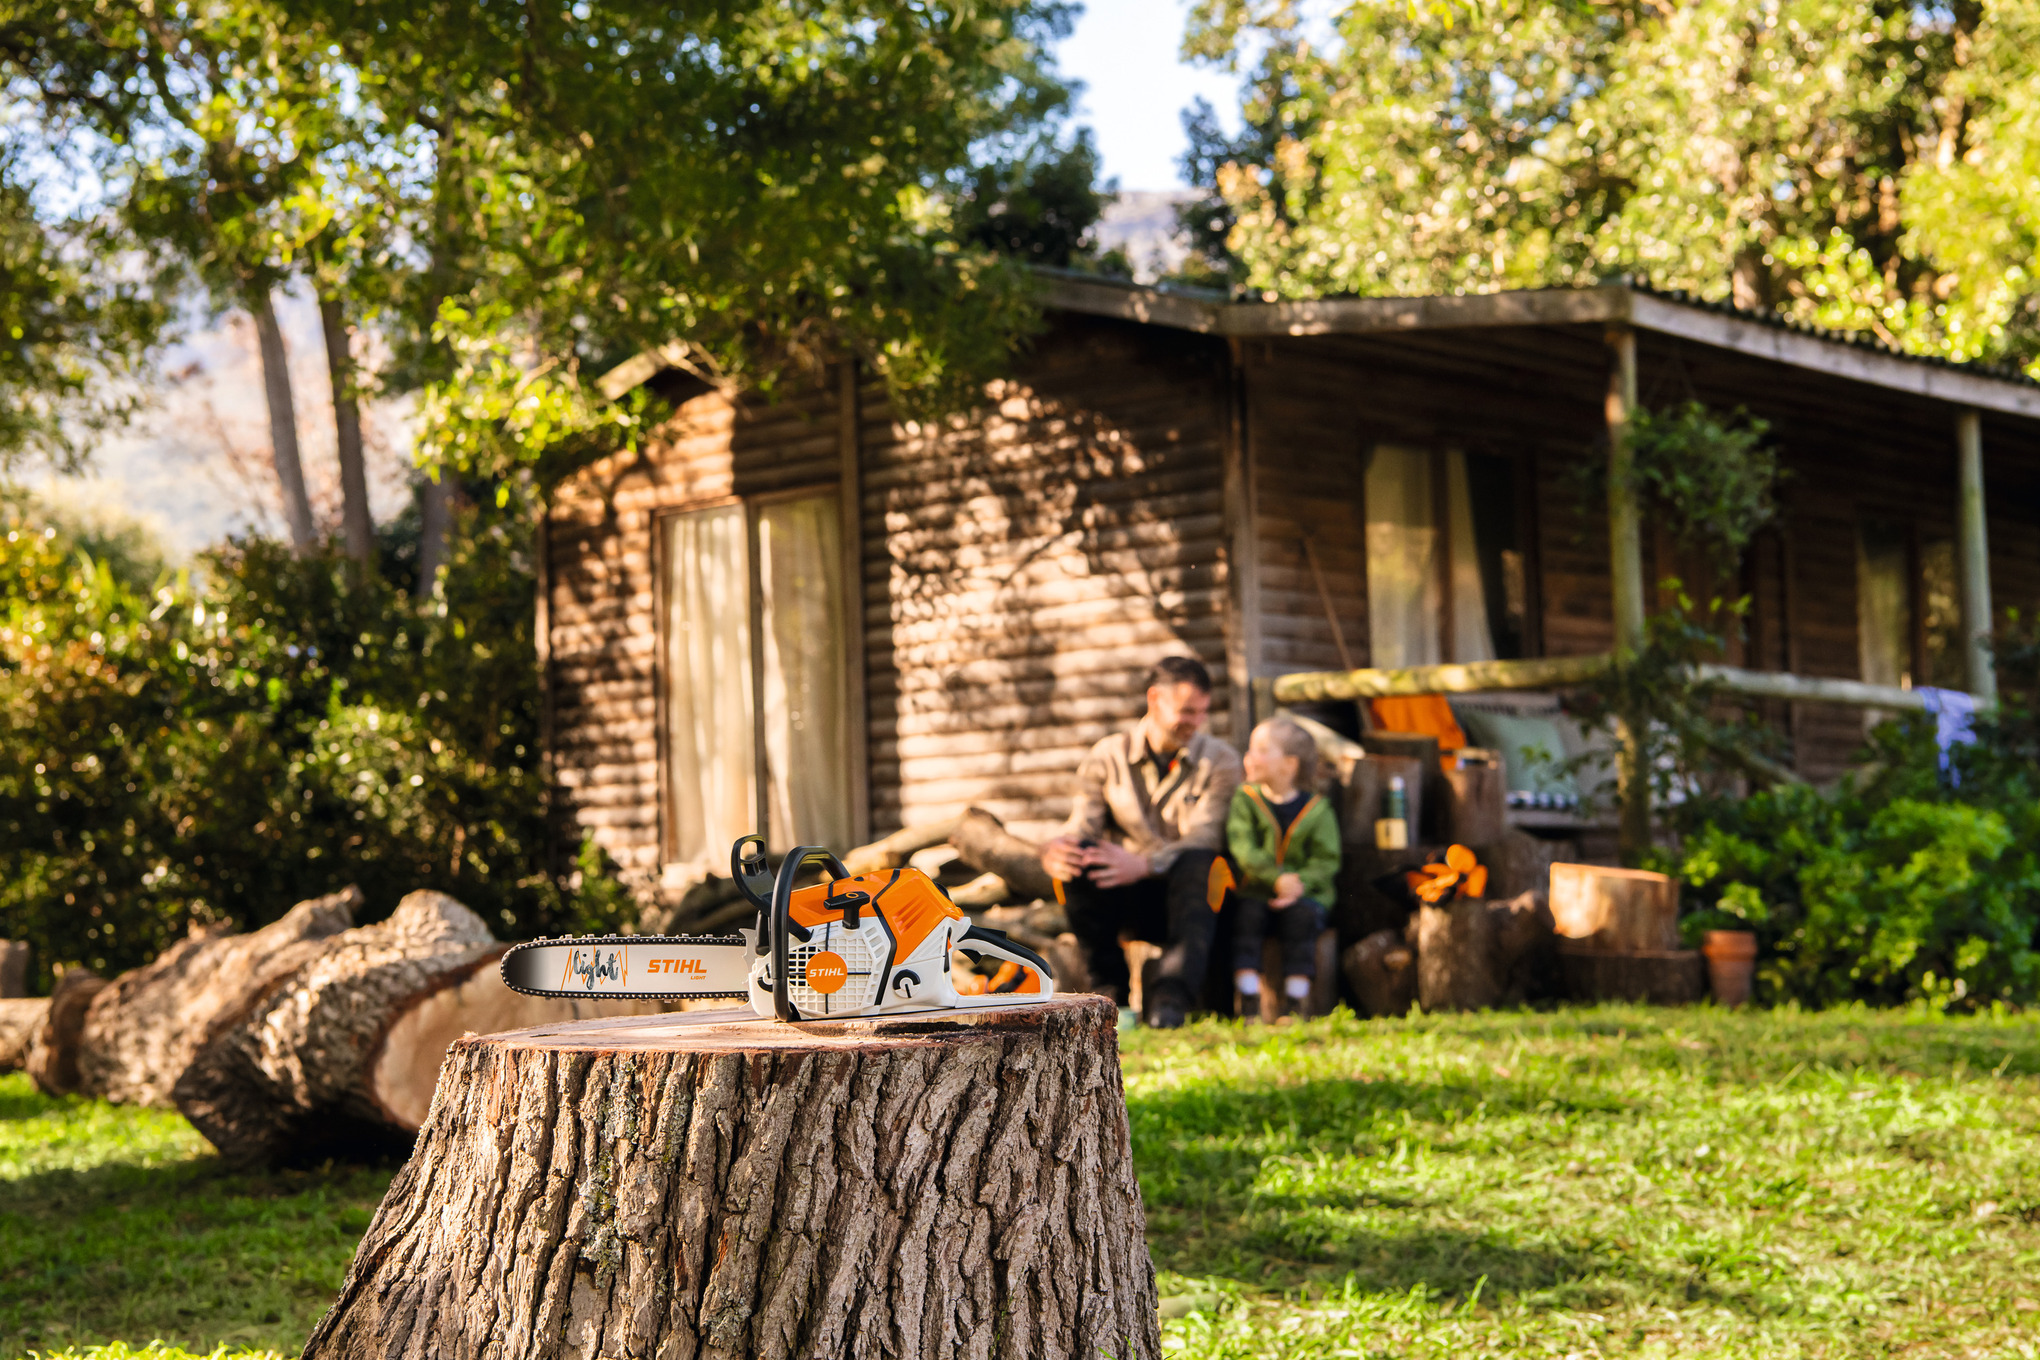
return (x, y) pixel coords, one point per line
(1137, 855)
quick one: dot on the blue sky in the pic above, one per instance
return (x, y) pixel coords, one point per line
(1125, 52)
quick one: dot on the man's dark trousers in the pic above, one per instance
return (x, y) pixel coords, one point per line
(1172, 910)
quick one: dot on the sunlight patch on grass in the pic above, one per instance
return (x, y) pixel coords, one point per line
(1616, 1181)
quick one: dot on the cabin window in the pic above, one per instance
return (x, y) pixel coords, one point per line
(754, 720)
(1442, 587)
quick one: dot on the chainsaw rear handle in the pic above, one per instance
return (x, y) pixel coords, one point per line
(995, 944)
(779, 920)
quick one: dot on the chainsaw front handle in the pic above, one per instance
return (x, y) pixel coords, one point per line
(779, 921)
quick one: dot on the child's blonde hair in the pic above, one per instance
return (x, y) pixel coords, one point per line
(1292, 740)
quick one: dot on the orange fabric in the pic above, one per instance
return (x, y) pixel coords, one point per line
(1426, 714)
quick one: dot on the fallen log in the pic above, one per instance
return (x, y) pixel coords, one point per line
(982, 842)
(52, 1057)
(19, 1017)
(404, 1068)
(895, 850)
(284, 1074)
(145, 1027)
(945, 1186)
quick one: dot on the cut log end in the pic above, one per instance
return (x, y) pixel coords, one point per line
(954, 1183)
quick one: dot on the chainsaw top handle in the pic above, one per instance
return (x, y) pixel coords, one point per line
(779, 920)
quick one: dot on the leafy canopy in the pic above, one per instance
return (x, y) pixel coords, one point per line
(1854, 163)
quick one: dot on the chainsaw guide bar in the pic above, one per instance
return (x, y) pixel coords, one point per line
(655, 967)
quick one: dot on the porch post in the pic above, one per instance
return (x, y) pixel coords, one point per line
(1625, 525)
(1625, 562)
(1975, 554)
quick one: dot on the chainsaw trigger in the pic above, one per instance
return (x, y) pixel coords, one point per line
(848, 904)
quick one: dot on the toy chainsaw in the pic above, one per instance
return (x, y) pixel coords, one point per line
(853, 944)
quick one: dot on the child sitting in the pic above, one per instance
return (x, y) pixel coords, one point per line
(1285, 841)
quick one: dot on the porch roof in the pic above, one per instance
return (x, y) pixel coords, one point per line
(1762, 336)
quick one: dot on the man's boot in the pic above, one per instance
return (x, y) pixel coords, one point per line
(1168, 1006)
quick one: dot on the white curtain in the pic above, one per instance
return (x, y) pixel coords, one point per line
(711, 764)
(1404, 595)
(807, 770)
(1405, 578)
(1883, 606)
(1472, 640)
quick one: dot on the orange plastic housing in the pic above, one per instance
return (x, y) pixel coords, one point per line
(910, 903)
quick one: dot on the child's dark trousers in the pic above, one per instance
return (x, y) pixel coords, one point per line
(1296, 925)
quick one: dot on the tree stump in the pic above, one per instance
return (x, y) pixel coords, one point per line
(1381, 970)
(949, 1184)
(14, 960)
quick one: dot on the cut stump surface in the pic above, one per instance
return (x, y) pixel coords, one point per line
(956, 1183)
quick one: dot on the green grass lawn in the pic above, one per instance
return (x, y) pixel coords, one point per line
(1613, 1182)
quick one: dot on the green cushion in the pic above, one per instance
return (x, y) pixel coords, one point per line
(1533, 752)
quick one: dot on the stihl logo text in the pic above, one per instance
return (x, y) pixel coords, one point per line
(826, 972)
(693, 968)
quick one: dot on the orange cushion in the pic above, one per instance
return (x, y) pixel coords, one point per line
(1428, 714)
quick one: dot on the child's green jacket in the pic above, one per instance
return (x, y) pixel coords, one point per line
(1308, 847)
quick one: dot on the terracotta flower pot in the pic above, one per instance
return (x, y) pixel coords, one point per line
(1731, 964)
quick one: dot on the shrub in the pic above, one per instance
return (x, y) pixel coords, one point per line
(223, 743)
(1900, 884)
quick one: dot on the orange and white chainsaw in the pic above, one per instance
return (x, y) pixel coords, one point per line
(853, 944)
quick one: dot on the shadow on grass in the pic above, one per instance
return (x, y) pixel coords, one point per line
(194, 1252)
(1300, 1185)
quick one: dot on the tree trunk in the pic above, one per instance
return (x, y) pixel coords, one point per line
(357, 528)
(436, 500)
(284, 1075)
(283, 435)
(982, 842)
(52, 1058)
(144, 1030)
(20, 1017)
(928, 1186)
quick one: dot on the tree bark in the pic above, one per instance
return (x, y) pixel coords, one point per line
(982, 842)
(284, 1075)
(283, 434)
(52, 1058)
(436, 500)
(357, 527)
(144, 1030)
(20, 1016)
(947, 1185)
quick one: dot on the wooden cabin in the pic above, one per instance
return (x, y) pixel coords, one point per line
(819, 618)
